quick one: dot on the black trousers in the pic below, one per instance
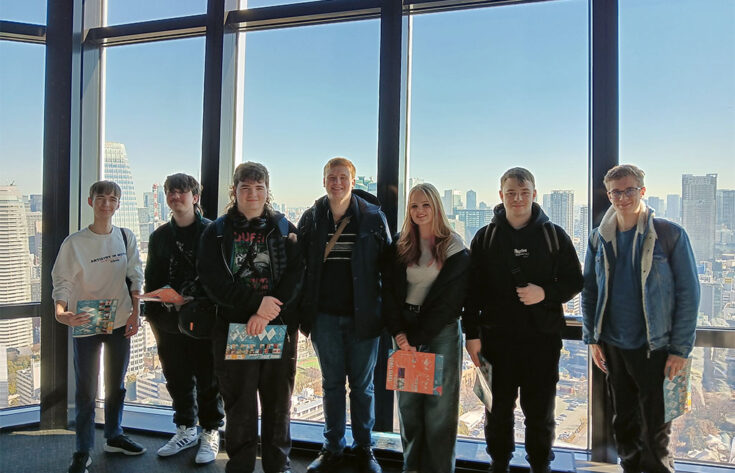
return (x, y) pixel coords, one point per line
(188, 366)
(532, 368)
(635, 382)
(243, 383)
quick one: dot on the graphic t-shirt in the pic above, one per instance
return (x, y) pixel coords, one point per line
(251, 260)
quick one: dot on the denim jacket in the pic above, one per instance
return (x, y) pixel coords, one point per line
(669, 282)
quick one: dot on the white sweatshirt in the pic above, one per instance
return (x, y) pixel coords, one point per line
(92, 266)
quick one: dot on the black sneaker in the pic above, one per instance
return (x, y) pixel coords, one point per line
(326, 462)
(366, 462)
(124, 444)
(79, 462)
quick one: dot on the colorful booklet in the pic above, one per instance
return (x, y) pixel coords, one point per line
(267, 345)
(483, 381)
(101, 317)
(165, 294)
(678, 393)
(415, 372)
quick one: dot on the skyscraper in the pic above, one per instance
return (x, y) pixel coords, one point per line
(584, 226)
(561, 209)
(698, 212)
(656, 204)
(471, 200)
(726, 208)
(673, 207)
(15, 263)
(117, 168)
(452, 201)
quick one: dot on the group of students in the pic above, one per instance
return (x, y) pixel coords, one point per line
(341, 278)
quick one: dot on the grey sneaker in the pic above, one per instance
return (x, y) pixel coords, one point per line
(79, 462)
(208, 447)
(184, 438)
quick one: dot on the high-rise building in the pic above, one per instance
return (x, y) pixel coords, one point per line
(726, 208)
(471, 200)
(452, 201)
(117, 168)
(15, 265)
(155, 203)
(698, 213)
(561, 209)
(673, 207)
(28, 384)
(3, 376)
(583, 233)
(473, 220)
(656, 204)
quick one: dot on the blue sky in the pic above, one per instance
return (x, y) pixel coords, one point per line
(491, 88)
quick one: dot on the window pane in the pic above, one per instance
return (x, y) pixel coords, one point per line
(492, 89)
(130, 11)
(153, 123)
(311, 94)
(706, 433)
(267, 3)
(677, 121)
(20, 362)
(21, 150)
(24, 11)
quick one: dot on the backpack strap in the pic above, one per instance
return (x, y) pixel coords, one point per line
(664, 234)
(552, 243)
(283, 226)
(489, 237)
(128, 282)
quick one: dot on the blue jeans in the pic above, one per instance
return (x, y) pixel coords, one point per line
(87, 370)
(342, 354)
(429, 423)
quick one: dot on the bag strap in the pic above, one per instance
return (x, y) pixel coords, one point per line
(335, 237)
(663, 233)
(552, 242)
(128, 282)
(489, 236)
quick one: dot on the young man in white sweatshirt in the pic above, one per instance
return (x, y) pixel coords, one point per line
(93, 265)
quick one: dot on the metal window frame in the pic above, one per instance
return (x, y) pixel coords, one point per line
(75, 43)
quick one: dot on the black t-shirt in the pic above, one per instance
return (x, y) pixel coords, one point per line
(251, 259)
(335, 288)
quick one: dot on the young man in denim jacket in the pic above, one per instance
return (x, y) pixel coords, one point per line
(640, 303)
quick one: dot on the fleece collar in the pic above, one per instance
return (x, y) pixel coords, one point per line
(609, 226)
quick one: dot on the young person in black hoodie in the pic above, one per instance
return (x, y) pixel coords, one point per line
(253, 270)
(424, 292)
(187, 362)
(522, 269)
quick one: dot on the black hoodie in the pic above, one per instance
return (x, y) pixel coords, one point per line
(492, 301)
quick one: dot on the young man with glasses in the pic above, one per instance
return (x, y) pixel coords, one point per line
(640, 304)
(188, 363)
(523, 268)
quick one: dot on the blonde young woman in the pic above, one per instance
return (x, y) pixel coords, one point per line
(422, 304)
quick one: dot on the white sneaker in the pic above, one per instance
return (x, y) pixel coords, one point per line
(185, 437)
(208, 447)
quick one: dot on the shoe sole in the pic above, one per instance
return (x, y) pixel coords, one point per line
(205, 462)
(164, 455)
(110, 449)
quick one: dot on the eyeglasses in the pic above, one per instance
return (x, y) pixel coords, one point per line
(630, 192)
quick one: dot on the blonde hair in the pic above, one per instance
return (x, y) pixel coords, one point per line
(408, 245)
(339, 161)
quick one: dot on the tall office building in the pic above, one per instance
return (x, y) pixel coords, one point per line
(561, 209)
(28, 384)
(15, 267)
(726, 208)
(471, 200)
(3, 376)
(698, 213)
(155, 203)
(673, 207)
(657, 204)
(117, 168)
(452, 201)
(583, 233)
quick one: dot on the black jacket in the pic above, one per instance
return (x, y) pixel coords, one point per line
(492, 300)
(237, 301)
(442, 305)
(368, 259)
(167, 266)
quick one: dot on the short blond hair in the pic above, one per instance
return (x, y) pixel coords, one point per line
(522, 175)
(105, 188)
(624, 170)
(340, 161)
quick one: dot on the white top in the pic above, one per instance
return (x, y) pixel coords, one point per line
(91, 266)
(421, 276)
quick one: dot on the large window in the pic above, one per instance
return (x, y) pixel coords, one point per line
(311, 94)
(24, 11)
(129, 11)
(492, 89)
(677, 121)
(153, 127)
(21, 143)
